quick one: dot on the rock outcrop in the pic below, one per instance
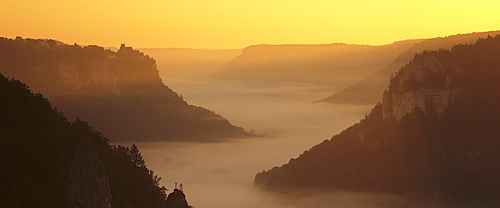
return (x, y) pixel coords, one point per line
(413, 89)
(177, 199)
(87, 182)
(436, 100)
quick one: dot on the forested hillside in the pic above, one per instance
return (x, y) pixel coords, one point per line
(434, 135)
(48, 161)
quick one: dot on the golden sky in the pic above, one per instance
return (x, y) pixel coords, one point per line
(236, 24)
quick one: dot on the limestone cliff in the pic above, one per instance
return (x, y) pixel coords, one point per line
(412, 89)
(99, 73)
(120, 93)
(87, 184)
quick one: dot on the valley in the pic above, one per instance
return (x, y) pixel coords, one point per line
(221, 174)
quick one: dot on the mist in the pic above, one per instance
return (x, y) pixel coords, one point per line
(221, 174)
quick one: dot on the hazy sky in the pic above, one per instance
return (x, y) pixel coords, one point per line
(239, 23)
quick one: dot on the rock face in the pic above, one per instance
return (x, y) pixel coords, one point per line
(99, 73)
(177, 199)
(398, 105)
(87, 181)
(409, 90)
(119, 93)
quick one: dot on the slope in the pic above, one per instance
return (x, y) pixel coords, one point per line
(47, 161)
(433, 137)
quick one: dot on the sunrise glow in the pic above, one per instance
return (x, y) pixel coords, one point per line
(236, 24)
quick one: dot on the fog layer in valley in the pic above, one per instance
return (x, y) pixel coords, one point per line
(221, 174)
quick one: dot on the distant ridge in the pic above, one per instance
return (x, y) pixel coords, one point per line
(336, 65)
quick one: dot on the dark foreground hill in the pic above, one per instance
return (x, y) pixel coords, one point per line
(120, 93)
(368, 90)
(434, 136)
(47, 161)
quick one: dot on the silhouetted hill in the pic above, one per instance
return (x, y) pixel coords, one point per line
(47, 161)
(337, 65)
(119, 93)
(435, 136)
(368, 90)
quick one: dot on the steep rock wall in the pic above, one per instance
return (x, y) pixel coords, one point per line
(87, 181)
(425, 99)
(416, 87)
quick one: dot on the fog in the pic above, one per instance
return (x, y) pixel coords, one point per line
(221, 174)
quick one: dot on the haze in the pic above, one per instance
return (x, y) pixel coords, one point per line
(281, 109)
(237, 24)
(221, 174)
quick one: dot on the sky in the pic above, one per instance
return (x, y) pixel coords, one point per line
(228, 24)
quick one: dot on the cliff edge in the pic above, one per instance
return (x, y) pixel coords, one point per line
(120, 93)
